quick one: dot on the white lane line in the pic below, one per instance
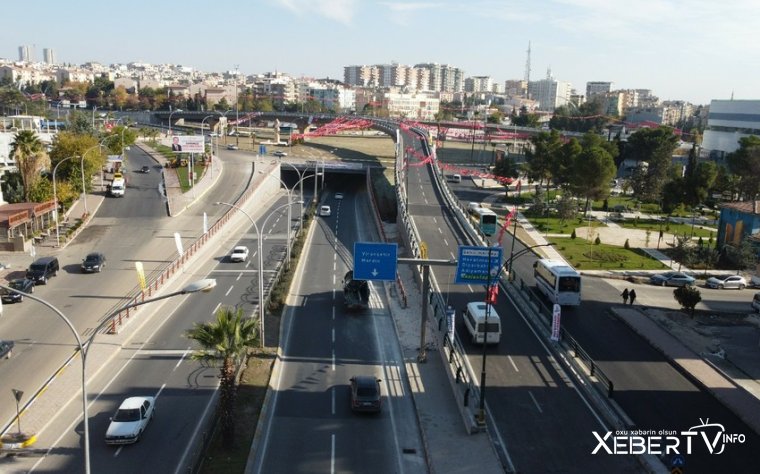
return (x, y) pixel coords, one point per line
(335, 265)
(333, 311)
(333, 400)
(216, 308)
(513, 363)
(333, 335)
(230, 289)
(446, 242)
(538, 407)
(470, 288)
(332, 454)
(240, 275)
(440, 231)
(333, 360)
(163, 386)
(453, 257)
(435, 220)
(181, 359)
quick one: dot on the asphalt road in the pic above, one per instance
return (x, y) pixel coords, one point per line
(544, 422)
(653, 393)
(323, 346)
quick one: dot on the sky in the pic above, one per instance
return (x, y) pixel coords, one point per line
(693, 50)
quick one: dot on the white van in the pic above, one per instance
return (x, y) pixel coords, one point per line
(455, 178)
(117, 187)
(475, 321)
(756, 302)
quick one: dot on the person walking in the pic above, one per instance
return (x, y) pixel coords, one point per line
(624, 294)
(632, 295)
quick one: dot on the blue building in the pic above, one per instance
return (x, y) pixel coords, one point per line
(738, 220)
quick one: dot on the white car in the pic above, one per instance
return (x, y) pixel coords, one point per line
(130, 420)
(239, 254)
(324, 211)
(338, 196)
(732, 281)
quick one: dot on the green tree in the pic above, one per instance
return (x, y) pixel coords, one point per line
(741, 257)
(592, 172)
(80, 123)
(226, 340)
(13, 186)
(562, 166)
(68, 144)
(688, 297)
(30, 156)
(745, 164)
(653, 146)
(540, 158)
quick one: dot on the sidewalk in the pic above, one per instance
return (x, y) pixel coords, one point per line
(448, 445)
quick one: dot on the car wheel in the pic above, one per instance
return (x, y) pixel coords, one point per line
(741, 287)
(20, 298)
(663, 283)
(720, 287)
(43, 280)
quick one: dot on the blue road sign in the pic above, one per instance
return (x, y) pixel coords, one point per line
(375, 261)
(473, 265)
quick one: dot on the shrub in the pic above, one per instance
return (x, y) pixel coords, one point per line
(572, 235)
(627, 246)
(597, 241)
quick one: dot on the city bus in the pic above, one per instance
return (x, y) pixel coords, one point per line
(487, 220)
(558, 281)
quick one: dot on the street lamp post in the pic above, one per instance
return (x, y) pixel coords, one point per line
(260, 259)
(202, 285)
(55, 197)
(170, 119)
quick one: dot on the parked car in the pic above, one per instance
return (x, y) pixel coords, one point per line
(42, 269)
(672, 279)
(93, 262)
(6, 348)
(325, 211)
(731, 281)
(365, 393)
(280, 153)
(130, 420)
(239, 254)
(21, 284)
(232, 147)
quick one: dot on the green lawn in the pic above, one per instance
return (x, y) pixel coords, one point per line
(667, 227)
(584, 255)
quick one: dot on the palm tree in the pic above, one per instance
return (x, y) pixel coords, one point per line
(30, 158)
(227, 340)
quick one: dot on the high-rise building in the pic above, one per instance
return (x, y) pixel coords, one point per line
(597, 88)
(24, 54)
(728, 122)
(549, 93)
(478, 84)
(49, 55)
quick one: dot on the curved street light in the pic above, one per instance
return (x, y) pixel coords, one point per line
(205, 286)
(170, 119)
(260, 258)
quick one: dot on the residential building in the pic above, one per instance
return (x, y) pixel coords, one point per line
(49, 55)
(549, 93)
(516, 88)
(24, 54)
(737, 221)
(727, 122)
(478, 84)
(597, 88)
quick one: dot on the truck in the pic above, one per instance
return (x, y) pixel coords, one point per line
(355, 292)
(118, 185)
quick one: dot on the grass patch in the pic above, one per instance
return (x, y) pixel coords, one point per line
(585, 255)
(555, 225)
(668, 227)
(221, 459)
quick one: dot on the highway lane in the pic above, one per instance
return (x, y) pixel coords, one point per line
(323, 346)
(155, 360)
(542, 419)
(126, 229)
(652, 392)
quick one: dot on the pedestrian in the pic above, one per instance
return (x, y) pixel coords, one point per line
(624, 294)
(632, 296)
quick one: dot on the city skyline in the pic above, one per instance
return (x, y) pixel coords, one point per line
(696, 53)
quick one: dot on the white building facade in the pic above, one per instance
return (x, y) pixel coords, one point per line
(727, 122)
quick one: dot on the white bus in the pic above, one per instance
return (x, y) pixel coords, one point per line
(487, 220)
(558, 281)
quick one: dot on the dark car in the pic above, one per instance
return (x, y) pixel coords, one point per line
(365, 393)
(93, 262)
(21, 284)
(145, 169)
(42, 270)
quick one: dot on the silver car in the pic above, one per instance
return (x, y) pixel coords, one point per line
(731, 281)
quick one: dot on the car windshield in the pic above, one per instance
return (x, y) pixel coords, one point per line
(17, 284)
(91, 259)
(131, 414)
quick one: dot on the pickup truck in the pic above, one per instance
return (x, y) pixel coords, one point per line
(355, 292)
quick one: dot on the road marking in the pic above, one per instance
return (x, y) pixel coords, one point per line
(440, 231)
(216, 308)
(332, 454)
(181, 359)
(513, 363)
(535, 402)
(446, 242)
(163, 386)
(435, 220)
(333, 335)
(333, 313)
(333, 359)
(333, 400)
(240, 275)
(470, 288)
(230, 289)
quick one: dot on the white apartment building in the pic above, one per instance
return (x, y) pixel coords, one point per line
(478, 84)
(549, 93)
(595, 88)
(727, 122)
(48, 55)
